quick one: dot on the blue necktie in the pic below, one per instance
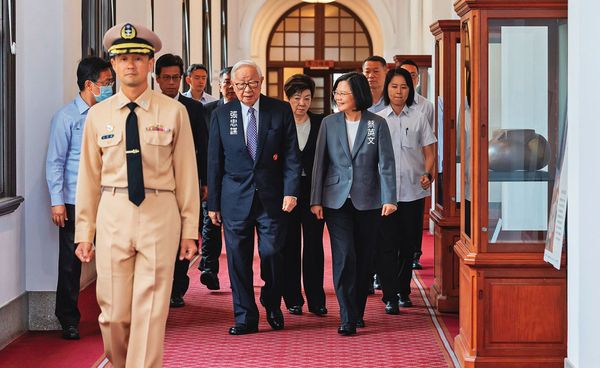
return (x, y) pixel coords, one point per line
(252, 134)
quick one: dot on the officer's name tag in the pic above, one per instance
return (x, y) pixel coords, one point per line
(107, 136)
(157, 128)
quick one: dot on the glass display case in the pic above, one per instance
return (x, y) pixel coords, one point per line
(512, 304)
(446, 211)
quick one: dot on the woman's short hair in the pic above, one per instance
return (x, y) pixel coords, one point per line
(359, 87)
(411, 88)
(298, 83)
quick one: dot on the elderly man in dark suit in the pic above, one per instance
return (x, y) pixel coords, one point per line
(169, 70)
(254, 177)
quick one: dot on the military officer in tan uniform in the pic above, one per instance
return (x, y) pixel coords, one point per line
(138, 192)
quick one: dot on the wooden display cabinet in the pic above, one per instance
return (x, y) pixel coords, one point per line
(446, 212)
(512, 304)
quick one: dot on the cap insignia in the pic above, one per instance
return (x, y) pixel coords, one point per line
(128, 32)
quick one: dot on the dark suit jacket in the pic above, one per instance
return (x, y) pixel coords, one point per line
(234, 178)
(210, 107)
(199, 121)
(307, 155)
(366, 172)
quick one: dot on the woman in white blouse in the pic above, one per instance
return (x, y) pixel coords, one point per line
(414, 144)
(303, 252)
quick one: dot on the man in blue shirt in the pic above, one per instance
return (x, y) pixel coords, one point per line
(95, 80)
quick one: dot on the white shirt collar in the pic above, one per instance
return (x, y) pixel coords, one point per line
(245, 107)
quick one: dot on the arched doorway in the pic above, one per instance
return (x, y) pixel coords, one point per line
(321, 40)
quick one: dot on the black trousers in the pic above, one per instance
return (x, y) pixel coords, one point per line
(211, 243)
(303, 254)
(352, 234)
(398, 237)
(239, 241)
(69, 273)
(181, 280)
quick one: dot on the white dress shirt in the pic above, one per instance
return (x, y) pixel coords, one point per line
(410, 132)
(206, 98)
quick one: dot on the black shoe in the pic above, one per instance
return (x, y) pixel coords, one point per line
(405, 301)
(417, 265)
(70, 333)
(376, 282)
(347, 329)
(392, 308)
(295, 309)
(242, 330)
(319, 311)
(176, 301)
(210, 279)
(275, 319)
(360, 323)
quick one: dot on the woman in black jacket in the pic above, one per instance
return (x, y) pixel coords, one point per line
(307, 258)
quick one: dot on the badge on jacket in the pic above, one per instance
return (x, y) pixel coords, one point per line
(157, 128)
(275, 157)
(370, 132)
(233, 122)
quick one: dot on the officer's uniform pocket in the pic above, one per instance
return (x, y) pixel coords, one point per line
(158, 138)
(110, 139)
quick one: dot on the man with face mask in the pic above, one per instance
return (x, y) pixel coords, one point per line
(95, 81)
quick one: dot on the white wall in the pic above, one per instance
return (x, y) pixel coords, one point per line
(12, 261)
(45, 81)
(584, 176)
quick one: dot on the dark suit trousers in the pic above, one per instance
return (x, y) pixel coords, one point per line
(69, 273)
(181, 281)
(239, 242)
(399, 235)
(211, 243)
(352, 248)
(303, 257)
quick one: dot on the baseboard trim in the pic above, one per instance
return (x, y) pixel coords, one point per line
(568, 364)
(41, 311)
(13, 319)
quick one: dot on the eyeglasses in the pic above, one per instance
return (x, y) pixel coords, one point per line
(341, 93)
(240, 86)
(172, 78)
(108, 83)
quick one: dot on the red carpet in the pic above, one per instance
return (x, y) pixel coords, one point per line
(197, 334)
(48, 349)
(426, 276)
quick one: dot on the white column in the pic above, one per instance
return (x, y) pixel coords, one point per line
(168, 25)
(584, 176)
(416, 26)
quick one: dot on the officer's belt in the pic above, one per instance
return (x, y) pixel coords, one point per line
(124, 190)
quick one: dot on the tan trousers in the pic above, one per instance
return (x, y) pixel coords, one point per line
(135, 249)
